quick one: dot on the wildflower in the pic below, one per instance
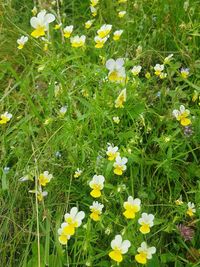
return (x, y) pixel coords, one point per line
(77, 173)
(100, 41)
(63, 110)
(185, 73)
(88, 24)
(116, 70)
(104, 30)
(179, 201)
(6, 169)
(117, 35)
(77, 41)
(97, 184)
(121, 99)
(132, 206)
(25, 178)
(93, 11)
(148, 75)
(41, 23)
(120, 165)
(45, 178)
(112, 152)
(68, 31)
(144, 253)
(94, 2)
(168, 59)
(158, 69)
(119, 248)
(5, 117)
(41, 194)
(163, 75)
(57, 26)
(116, 120)
(48, 121)
(96, 210)
(121, 14)
(191, 209)
(73, 220)
(58, 154)
(34, 10)
(186, 232)
(136, 70)
(181, 115)
(188, 131)
(63, 238)
(147, 222)
(21, 41)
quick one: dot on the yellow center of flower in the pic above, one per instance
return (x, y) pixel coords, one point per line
(130, 210)
(116, 255)
(141, 258)
(39, 31)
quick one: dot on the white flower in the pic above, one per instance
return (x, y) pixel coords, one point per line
(63, 238)
(112, 152)
(63, 110)
(121, 14)
(93, 11)
(131, 206)
(163, 75)
(116, 120)
(158, 69)
(185, 73)
(136, 70)
(68, 30)
(88, 24)
(117, 35)
(104, 30)
(21, 41)
(77, 173)
(120, 165)
(100, 41)
(77, 41)
(5, 117)
(97, 184)
(145, 253)
(116, 70)
(96, 210)
(191, 209)
(147, 222)
(75, 217)
(45, 178)
(119, 248)
(41, 23)
(168, 59)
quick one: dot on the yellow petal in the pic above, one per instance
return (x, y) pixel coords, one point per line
(116, 256)
(95, 216)
(95, 193)
(63, 239)
(185, 121)
(118, 171)
(140, 258)
(40, 31)
(69, 229)
(129, 214)
(145, 229)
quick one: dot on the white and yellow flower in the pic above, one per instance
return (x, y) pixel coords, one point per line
(63, 238)
(44, 178)
(67, 31)
(112, 152)
(93, 11)
(168, 59)
(100, 41)
(119, 247)
(41, 194)
(57, 26)
(136, 70)
(121, 14)
(179, 201)
(117, 72)
(144, 253)
(5, 117)
(96, 210)
(94, 2)
(163, 75)
(78, 41)
(158, 69)
(181, 115)
(132, 206)
(88, 24)
(116, 119)
(185, 73)
(146, 222)
(191, 209)
(21, 41)
(97, 184)
(104, 30)
(63, 110)
(41, 23)
(120, 165)
(117, 34)
(121, 99)
(78, 173)
(73, 220)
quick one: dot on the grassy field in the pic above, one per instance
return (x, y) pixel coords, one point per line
(68, 107)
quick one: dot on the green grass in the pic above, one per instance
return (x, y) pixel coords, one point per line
(163, 163)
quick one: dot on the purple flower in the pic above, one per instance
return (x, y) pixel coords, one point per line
(186, 232)
(188, 131)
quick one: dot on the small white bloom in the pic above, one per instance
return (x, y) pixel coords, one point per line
(75, 217)
(21, 41)
(136, 70)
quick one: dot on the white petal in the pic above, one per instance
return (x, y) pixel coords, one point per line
(125, 246)
(73, 211)
(110, 64)
(119, 63)
(116, 242)
(34, 22)
(49, 18)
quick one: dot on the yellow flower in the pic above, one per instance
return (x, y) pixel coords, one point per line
(96, 210)
(100, 41)
(116, 69)
(72, 221)
(21, 41)
(144, 253)
(185, 73)
(120, 165)
(94, 2)
(179, 201)
(181, 115)
(146, 222)
(6, 117)
(191, 209)
(136, 70)
(97, 184)
(158, 69)
(112, 152)
(121, 99)
(68, 31)
(41, 23)
(148, 75)
(88, 24)
(117, 35)
(41, 194)
(121, 14)
(116, 120)
(93, 11)
(77, 173)
(63, 238)
(45, 178)
(104, 30)
(132, 206)
(77, 41)
(119, 248)
(57, 26)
